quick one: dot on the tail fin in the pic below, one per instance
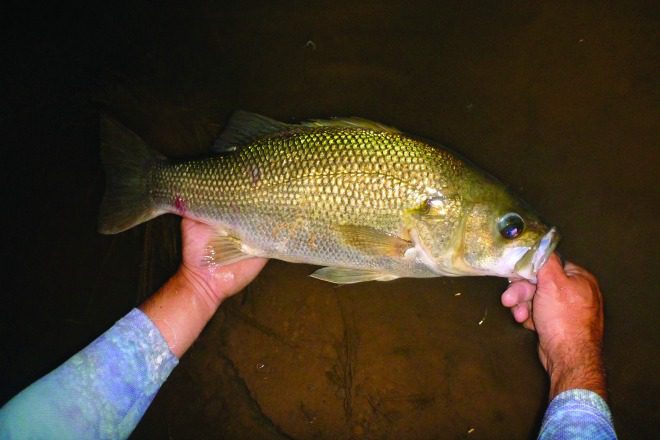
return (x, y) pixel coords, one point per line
(126, 159)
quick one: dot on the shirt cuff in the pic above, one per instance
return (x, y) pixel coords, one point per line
(577, 414)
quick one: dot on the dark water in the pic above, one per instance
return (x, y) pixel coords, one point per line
(559, 100)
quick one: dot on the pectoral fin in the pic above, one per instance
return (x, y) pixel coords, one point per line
(224, 250)
(342, 275)
(373, 241)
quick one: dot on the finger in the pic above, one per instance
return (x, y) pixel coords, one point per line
(529, 324)
(242, 272)
(551, 270)
(518, 292)
(575, 270)
(521, 312)
(569, 266)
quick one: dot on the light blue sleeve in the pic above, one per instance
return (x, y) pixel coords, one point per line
(100, 393)
(577, 414)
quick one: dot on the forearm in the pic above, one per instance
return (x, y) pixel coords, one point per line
(180, 309)
(103, 391)
(578, 407)
(579, 367)
(184, 305)
(100, 392)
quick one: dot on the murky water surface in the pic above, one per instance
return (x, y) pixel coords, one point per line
(559, 101)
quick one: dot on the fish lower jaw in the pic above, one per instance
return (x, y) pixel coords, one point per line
(529, 264)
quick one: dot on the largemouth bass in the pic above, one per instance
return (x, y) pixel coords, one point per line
(357, 197)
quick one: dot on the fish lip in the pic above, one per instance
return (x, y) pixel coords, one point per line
(546, 245)
(530, 263)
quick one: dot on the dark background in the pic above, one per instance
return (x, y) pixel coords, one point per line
(558, 99)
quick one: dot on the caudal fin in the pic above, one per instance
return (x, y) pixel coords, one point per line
(126, 159)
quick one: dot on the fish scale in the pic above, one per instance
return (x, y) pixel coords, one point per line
(361, 198)
(303, 184)
(303, 167)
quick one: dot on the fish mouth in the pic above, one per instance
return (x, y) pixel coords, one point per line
(530, 263)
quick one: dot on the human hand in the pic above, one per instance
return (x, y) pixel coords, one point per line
(213, 284)
(184, 304)
(565, 308)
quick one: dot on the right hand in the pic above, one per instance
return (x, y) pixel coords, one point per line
(565, 308)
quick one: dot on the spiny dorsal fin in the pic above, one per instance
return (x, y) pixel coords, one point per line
(350, 122)
(245, 127)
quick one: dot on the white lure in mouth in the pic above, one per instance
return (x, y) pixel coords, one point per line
(528, 266)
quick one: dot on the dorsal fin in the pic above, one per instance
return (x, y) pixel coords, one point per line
(351, 122)
(243, 128)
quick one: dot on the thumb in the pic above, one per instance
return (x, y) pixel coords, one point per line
(551, 270)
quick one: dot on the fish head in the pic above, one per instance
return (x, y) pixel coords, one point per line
(505, 240)
(488, 232)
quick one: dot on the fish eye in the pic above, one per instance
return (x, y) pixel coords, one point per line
(430, 204)
(511, 225)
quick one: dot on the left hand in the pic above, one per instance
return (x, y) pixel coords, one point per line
(184, 304)
(213, 284)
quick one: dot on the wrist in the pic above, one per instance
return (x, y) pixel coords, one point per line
(180, 309)
(200, 286)
(575, 366)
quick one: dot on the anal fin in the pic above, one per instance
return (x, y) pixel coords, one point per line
(343, 275)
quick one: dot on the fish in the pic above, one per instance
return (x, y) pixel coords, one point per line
(363, 200)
